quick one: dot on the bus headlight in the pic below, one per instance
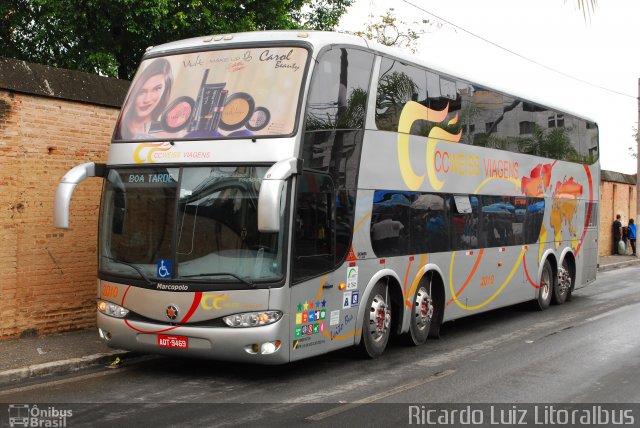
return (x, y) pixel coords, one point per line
(252, 319)
(112, 309)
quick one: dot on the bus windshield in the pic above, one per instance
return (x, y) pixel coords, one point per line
(234, 93)
(191, 222)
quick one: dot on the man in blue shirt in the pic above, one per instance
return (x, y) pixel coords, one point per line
(632, 235)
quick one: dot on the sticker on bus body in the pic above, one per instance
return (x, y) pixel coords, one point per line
(335, 317)
(346, 300)
(352, 278)
(355, 299)
(177, 342)
(164, 268)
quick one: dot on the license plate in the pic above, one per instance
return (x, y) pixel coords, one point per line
(180, 342)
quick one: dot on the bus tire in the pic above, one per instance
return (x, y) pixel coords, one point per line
(564, 283)
(376, 325)
(547, 284)
(422, 313)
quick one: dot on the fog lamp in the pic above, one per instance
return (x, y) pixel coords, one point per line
(269, 347)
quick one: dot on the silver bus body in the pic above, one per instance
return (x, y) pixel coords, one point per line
(327, 311)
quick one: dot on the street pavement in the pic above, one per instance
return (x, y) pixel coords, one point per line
(30, 357)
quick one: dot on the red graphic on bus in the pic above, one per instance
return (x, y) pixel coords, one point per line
(538, 182)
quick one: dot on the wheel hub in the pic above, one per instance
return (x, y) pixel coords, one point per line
(564, 280)
(545, 284)
(424, 308)
(380, 318)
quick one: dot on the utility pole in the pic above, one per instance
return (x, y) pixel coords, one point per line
(638, 162)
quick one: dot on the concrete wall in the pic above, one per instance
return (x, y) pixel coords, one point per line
(50, 121)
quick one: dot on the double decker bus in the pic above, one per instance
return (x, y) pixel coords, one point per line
(272, 196)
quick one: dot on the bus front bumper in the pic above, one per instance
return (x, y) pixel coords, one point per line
(251, 344)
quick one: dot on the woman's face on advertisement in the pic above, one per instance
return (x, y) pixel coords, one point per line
(149, 95)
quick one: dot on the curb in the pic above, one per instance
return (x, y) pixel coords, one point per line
(8, 377)
(619, 265)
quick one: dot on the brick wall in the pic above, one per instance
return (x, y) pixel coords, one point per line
(615, 198)
(48, 275)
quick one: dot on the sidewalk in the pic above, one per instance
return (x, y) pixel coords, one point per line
(615, 262)
(28, 357)
(21, 359)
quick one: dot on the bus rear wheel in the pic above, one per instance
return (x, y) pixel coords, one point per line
(564, 283)
(547, 285)
(376, 325)
(421, 314)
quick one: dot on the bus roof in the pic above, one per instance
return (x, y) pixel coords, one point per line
(321, 39)
(318, 39)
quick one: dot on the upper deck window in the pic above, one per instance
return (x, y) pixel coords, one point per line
(235, 93)
(339, 90)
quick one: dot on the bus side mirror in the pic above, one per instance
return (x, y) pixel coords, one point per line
(271, 192)
(66, 187)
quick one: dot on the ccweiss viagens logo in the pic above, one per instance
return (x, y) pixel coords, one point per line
(165, 152)
(444, 158)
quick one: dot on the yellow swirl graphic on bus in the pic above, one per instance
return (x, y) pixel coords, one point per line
(493, 296)
(144, 152)
(411, 113)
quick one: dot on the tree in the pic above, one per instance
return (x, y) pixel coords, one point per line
(321, 14)
(109, 36)
(389, 31)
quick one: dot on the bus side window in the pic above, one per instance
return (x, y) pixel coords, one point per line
(430, 223)
(464, 222)
(455, 97)
(339, 90)
(533, 219)
(498, 214)
(314, 227)
(398, 84)
(334, 130)
(390, 223)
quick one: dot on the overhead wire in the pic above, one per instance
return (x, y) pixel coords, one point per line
(520, 55)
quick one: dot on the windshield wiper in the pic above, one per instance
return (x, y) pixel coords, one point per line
(137, 269)
(239, 278)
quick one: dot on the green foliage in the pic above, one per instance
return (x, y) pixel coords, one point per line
(321, 15)
(108, 37)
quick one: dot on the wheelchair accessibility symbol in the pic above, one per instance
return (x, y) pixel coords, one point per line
(164, 268)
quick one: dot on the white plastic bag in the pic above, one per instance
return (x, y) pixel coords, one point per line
(622, 249)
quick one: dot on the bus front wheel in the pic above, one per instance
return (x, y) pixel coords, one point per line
(547, 285)
(376, 325)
